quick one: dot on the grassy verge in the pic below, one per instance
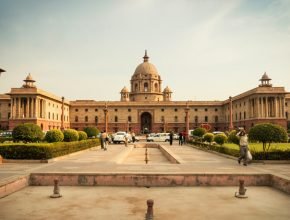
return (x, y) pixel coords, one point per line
(279, 151)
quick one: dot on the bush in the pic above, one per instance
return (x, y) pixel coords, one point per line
(220, 139)
(82, 135)
(232, 138)
(268, 133)
(27, 132)
(91, 131)
(40, 151)
(54, 136)
(199, 132)
(70, 135)
(208, 137)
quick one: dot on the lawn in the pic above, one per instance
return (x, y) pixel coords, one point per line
(256, 147)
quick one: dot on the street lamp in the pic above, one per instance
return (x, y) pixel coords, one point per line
(2, 71)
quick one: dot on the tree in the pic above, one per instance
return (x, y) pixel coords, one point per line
(82, 135)
(267, 133)
(208, 137)
(54, 135)
(70, 135)
(199, 132)
(220, 139)
(91, 131)
(27, 132)
(232, 138)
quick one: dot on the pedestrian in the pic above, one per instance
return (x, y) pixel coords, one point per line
(126, 140)
(171, 138)
(104, 140)
(133, 137)
(180, 139)
(183, 137)
(243, 146)
(101, 140)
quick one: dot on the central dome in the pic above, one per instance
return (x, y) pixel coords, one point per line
(145, 68)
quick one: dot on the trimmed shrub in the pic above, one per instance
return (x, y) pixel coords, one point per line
(82, 135)
(208, 137)
(40, 151)
(27, 132)
(220, 139)
(54, 135)
(268, 133)
(232, 138)
(199, 132)
(70, 135)
(91, 131)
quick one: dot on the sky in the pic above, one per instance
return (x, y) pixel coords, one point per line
(89, 49)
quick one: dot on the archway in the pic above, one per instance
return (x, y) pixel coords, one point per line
(146, 122)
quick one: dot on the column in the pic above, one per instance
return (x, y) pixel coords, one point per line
(266, 107)
(106, 117)
(29, 107)
(262, 107)
(186, 121)
(36, 107)
(12, 108)
(258, 107)
(276, 106)
(62, 114)
(231, 114)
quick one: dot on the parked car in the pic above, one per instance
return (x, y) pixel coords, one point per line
(6, 134)
(120, 137)
(159, 137)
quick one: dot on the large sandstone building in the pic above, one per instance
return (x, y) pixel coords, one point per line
(145, 107)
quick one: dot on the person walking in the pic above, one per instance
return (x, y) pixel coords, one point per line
(171, 138)
(101, 140)
(126, 140)
(133, 137)
(104, 136)
(180, 139)
(243, 147)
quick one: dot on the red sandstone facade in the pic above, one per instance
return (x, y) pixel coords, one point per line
(144, 108)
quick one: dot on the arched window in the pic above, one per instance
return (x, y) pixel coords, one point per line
(129, 118)
(205, 118)
(86, 118)
(52, 116)
(116, 118)
(76, 119)
(96, 119)
(244, 115)
(136, 87)
(146, 87)
(176, 119)
(156, 87)
(196, 119)
(48, 115)
(216, 118)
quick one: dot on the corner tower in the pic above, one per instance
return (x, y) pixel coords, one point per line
(146, 82)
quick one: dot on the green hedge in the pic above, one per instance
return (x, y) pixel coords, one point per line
(3, 139)
(271, 155)
(39, 151)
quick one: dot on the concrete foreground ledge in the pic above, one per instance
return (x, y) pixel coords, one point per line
(159, 180)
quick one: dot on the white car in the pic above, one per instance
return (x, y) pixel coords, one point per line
(120, 137)
(159, 137)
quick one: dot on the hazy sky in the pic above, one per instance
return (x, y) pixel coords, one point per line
(203, 49)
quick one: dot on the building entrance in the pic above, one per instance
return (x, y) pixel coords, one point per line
(146, 123)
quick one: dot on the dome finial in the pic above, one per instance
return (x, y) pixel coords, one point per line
(146, 58)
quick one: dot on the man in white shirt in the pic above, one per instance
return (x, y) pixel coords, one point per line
(243, 146)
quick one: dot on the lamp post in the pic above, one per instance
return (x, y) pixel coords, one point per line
(231, 114)
(2, 71)
(62, 114)
(106, 117)
(186, 110)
